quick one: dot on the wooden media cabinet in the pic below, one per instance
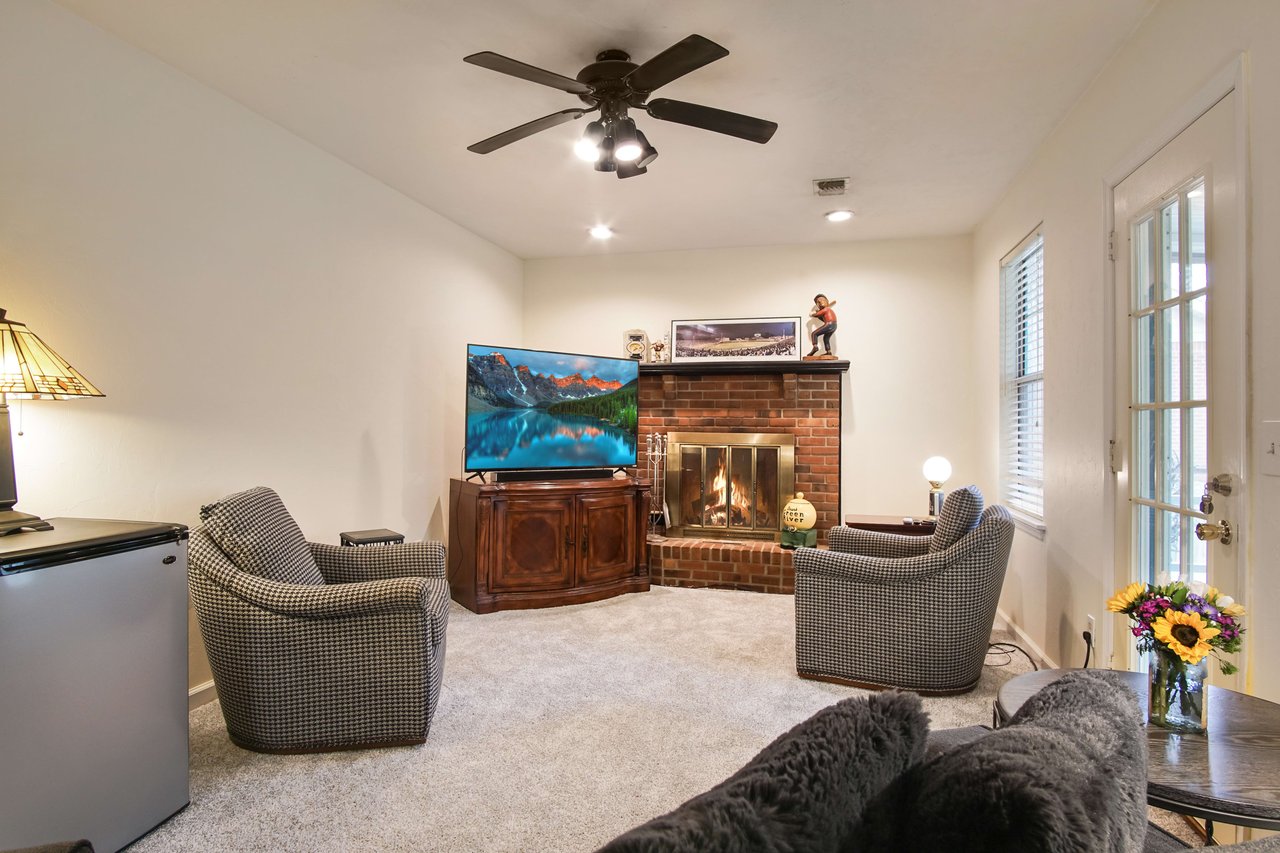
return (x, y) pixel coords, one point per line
(518, 545)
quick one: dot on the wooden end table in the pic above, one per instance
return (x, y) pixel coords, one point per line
(1231, 774)
(891, 524)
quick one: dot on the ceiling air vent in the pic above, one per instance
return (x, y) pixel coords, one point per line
(830, 186)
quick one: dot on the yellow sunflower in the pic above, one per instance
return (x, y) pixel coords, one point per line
(1122, 599)
(1186, 634)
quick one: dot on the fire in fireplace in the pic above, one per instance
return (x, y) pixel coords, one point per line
(728, 485)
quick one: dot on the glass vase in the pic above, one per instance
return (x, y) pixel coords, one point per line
(1178, 692)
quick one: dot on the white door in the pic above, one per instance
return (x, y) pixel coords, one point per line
(1181, 362)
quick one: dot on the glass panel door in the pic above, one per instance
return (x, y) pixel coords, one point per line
(1169, 398)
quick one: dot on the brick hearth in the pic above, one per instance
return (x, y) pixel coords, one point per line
(752, 566)
(802, 400)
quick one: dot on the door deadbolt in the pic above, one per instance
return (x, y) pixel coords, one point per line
(1223, 484)
(1208, 531)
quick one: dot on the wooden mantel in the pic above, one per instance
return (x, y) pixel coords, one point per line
(713, 368)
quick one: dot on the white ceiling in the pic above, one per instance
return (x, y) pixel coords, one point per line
(930, 107)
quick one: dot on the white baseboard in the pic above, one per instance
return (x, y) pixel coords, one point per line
(201, 694)
(1003, 619)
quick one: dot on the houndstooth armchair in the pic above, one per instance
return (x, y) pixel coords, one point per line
(316, 647)
(884, 610)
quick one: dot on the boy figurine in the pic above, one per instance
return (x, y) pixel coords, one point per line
(822, 310)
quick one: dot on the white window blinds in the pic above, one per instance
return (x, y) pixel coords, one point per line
(1022, 380)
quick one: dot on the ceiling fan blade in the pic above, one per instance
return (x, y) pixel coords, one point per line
(688, 54)
(709, 118)
(505, 65)
(515, 134)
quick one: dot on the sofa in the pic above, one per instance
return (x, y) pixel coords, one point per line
(1067, 774)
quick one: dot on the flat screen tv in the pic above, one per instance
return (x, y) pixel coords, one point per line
(533, 410)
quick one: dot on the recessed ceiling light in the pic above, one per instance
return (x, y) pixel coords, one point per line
(601, 232)
(839, 215)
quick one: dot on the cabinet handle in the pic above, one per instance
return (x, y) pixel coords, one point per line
(584, 540)
(568, 538)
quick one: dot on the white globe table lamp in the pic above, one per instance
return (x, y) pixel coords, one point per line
(937, 470)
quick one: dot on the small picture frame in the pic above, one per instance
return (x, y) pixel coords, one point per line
(739, 339)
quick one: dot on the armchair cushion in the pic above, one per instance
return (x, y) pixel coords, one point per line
(255, 530)
(959, 515)
(1068, 773)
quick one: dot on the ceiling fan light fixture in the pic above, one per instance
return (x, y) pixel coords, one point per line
(647, 152)
(606, 162)
(630, 170)
(839, 215)
(626, 139)
(588, 147)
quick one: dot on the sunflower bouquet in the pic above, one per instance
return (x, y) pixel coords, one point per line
(1180, 624)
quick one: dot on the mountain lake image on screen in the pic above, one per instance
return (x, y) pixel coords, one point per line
(530, 409)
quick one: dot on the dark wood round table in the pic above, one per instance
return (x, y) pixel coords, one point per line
(1231, 774)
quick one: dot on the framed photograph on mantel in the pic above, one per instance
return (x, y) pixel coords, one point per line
(743, 339)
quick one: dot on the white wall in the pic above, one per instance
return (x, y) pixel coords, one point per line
(256, 311)
(1180, 47)
(908, 393)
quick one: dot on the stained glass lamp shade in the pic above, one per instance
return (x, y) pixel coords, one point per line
(29, 370)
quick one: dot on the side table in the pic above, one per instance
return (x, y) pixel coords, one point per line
(891, 524)
(363, 538)
(1231, 774)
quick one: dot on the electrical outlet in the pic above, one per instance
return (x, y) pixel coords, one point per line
(1092, 632)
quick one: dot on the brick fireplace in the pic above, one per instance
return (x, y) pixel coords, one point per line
(799, 399)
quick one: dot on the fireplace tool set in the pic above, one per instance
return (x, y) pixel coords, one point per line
(656, 462)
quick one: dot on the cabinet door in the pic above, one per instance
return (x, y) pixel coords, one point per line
(607, 537)
(534, 548)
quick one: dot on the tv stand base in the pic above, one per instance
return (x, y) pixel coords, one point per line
(546, 543)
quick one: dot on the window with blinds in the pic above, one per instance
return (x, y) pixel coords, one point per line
(1022, 379)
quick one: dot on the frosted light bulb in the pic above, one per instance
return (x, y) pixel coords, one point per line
(937, 469)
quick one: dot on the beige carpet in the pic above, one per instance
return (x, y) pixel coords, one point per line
(557, 729)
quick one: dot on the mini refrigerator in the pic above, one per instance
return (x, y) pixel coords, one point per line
(93, 681)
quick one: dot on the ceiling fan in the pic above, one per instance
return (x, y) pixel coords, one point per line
(613, 84)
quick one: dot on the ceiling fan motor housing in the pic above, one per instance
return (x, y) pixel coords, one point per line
(607, 79)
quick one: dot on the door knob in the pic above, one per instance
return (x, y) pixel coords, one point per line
(1208, 531)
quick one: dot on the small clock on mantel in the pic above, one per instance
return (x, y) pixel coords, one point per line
(635, 343)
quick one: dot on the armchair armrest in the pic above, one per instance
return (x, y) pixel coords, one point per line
(869, 570)
(341, 565)
(851, 540)
(325, 601)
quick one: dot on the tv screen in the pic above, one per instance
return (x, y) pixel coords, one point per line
(530, 409)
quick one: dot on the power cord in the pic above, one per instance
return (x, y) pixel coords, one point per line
(1088, 647)
(1007, 649)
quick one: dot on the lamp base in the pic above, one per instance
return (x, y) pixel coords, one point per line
(792, 539)
(12, 521)
(935, 502)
